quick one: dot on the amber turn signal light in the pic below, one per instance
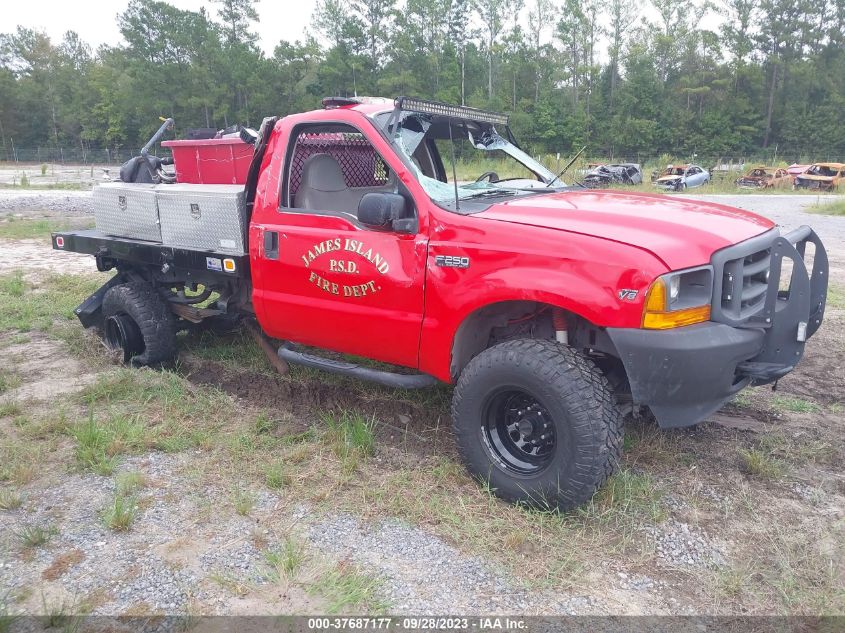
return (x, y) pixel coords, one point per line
(656, 316)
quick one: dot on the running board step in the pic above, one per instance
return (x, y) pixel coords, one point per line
(387, 378)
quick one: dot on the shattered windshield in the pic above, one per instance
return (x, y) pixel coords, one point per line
(443, 152)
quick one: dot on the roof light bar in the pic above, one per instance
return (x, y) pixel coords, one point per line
(451, 111)
(339, 102)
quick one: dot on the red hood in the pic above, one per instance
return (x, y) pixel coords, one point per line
(680, 232)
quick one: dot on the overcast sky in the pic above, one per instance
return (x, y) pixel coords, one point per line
(96, 20)
(96, 23)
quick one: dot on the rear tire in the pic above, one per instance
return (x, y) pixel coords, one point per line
(537, 422)
(136, 311)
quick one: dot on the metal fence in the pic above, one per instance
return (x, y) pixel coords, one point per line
(66, 155)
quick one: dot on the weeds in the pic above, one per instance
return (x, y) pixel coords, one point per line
(286, 561)
(243, 500)
(7, 618)
(264, 423)
(759, 464)
(99, 443)
(351, 437)
(794, 405)
(9, 409)
(836, 207)
(10, 499)
(63, 614)
(277, 476)
(120, 514)
(835, 296)
(36, 535)
(37, 305)
(20, 462)
(230, 584)
(346, 589)
(129, 482)
(627, 500)
(176, 415)
(8, 380)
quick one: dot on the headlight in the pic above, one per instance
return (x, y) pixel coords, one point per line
(679, 298)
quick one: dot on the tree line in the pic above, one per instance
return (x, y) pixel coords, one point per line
(580, 72)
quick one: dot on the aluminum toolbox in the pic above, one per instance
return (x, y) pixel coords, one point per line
(127, 210)
(203, 217)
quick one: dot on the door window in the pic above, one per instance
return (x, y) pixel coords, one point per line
(330, 168)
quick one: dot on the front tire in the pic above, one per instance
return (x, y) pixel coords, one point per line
(537, 422)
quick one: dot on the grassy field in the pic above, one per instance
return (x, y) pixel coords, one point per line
(18, 229)
(336, 444)
(721, 183)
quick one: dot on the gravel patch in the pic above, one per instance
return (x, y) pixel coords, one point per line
(442, 579)
(683, 545)
(45, 203)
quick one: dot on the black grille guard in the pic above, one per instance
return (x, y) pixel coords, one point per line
(792, 316)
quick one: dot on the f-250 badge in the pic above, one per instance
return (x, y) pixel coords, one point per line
(451, 261)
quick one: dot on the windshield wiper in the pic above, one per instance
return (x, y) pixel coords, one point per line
(498, 191)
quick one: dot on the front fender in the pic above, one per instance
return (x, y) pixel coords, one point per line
(583, 275)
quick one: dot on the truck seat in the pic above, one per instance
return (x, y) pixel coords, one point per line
(323, 187)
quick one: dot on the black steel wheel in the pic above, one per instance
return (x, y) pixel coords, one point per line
(120, 332)
(519, 431)
(537, 422)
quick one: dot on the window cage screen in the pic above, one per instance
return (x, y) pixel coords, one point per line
(358, 160)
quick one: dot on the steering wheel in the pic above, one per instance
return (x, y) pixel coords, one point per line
(490, 176)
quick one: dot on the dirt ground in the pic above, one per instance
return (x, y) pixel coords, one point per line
(216, 486)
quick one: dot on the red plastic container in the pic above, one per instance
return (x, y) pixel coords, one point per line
(213, 161)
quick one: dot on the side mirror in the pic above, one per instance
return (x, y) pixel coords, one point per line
(380, 210)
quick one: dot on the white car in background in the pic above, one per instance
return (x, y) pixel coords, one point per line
(680, 177)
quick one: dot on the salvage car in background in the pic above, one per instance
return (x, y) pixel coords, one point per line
(601, 176)
(763, 177)
(680, 177)
(795, 169)
(821, 176)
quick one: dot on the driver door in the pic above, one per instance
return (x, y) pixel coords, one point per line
(324, 278)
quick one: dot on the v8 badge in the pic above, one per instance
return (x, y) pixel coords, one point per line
(627, 295)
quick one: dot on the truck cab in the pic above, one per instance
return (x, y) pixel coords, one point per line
(556, 311)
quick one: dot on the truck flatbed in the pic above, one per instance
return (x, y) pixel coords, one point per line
(108, 250)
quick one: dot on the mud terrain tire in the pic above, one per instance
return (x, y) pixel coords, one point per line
(493, 400)
(152, 316)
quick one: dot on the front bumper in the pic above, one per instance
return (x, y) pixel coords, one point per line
(684, 375)
(672, 185)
